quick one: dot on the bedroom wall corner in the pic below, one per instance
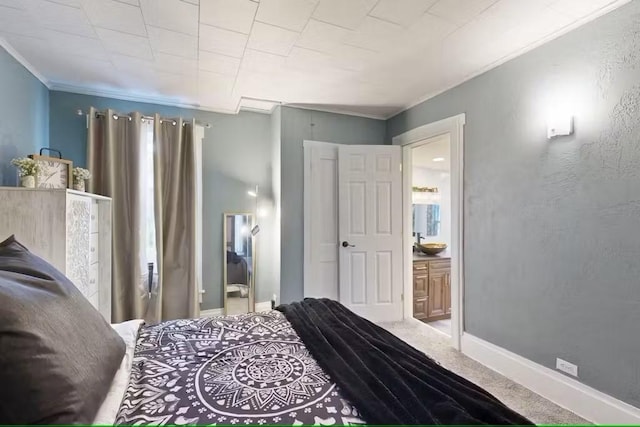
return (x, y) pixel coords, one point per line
(552, 226)
(24, 116)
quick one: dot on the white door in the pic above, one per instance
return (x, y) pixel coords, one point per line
(370, 230)
(321, 220)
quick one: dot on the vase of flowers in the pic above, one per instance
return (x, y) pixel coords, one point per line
(80, 175)
(27, 169)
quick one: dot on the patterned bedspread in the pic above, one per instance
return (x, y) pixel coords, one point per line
(245, 369)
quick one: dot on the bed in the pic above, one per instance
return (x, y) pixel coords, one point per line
(311, 362)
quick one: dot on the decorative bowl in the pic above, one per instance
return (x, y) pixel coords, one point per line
(431, 248)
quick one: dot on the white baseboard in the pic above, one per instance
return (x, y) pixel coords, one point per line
(263, 306)
(211, 313)
(587, 402)
(260, 306)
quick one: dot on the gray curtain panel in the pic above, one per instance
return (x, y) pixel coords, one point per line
(113, 157)
(176, 294)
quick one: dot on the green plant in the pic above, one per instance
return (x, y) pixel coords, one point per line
(26, 166)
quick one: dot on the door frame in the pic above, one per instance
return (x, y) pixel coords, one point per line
(454, 126)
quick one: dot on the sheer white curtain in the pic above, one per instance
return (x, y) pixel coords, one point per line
(148, 252)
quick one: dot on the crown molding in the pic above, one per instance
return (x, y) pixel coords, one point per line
(26, 64)
(562, 31)
(63, 87)
(312, 107)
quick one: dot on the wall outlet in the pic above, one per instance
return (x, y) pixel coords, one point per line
(567, 367)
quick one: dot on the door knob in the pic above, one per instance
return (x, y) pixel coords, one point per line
(346, 244)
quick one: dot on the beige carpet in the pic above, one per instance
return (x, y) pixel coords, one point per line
(538, 409)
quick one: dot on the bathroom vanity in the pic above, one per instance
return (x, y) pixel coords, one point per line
(431, 287)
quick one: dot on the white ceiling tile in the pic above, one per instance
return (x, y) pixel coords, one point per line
(235, 15)
(355, 58)
(175, 64)
(125, 44)
(460, 11)
(270, 39)
(17, 21)
(76, 70)
(174, 15)
(131, 2)
(512, 11)
(13, 4)
(173, 43)
(76, 45)
(132, 65)
(59, 17)
(230, 43)
(376, 34)
(214, 88)
(161, 64)
(221, 64)
(116, 16)
(290, 14)
(348, 14)
(262, 62)
(321, 36)
(579, 8)
(72, 3)
(401, 12)
(430, 29)
(308, 60)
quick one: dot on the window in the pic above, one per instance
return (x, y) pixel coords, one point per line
(148, 253)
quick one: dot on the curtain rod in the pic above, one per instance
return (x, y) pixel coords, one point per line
(119, 115)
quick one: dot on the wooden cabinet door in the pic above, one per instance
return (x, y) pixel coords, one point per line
(420, 284)
(447, 293)
(437, 294)
(420, 308)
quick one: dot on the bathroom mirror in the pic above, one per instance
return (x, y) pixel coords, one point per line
(239, 263)
(426, 220)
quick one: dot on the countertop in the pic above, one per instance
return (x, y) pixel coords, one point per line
(419, 256)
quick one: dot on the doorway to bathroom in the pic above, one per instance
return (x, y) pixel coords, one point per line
(432, 223)
(431, 231)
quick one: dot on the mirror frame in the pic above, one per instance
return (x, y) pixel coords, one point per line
(252, 280)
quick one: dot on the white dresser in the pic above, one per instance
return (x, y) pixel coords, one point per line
(69, 229)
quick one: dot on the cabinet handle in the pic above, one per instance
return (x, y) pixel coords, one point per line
(419, 268)
(421, 299)
(420, 277)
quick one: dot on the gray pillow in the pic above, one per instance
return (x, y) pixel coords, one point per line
(57, 353)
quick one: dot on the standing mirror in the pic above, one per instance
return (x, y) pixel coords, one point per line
(239, 264)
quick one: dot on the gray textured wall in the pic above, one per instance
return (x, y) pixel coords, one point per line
(236, 155)
(24, 116)
(299, 125)
(552, 228)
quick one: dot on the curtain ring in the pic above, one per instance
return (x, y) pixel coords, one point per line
(173, 123)
(115, 117)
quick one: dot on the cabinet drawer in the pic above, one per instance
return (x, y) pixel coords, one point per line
(444, 264)
(420, 266)
(95, 213)
(94, 248)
